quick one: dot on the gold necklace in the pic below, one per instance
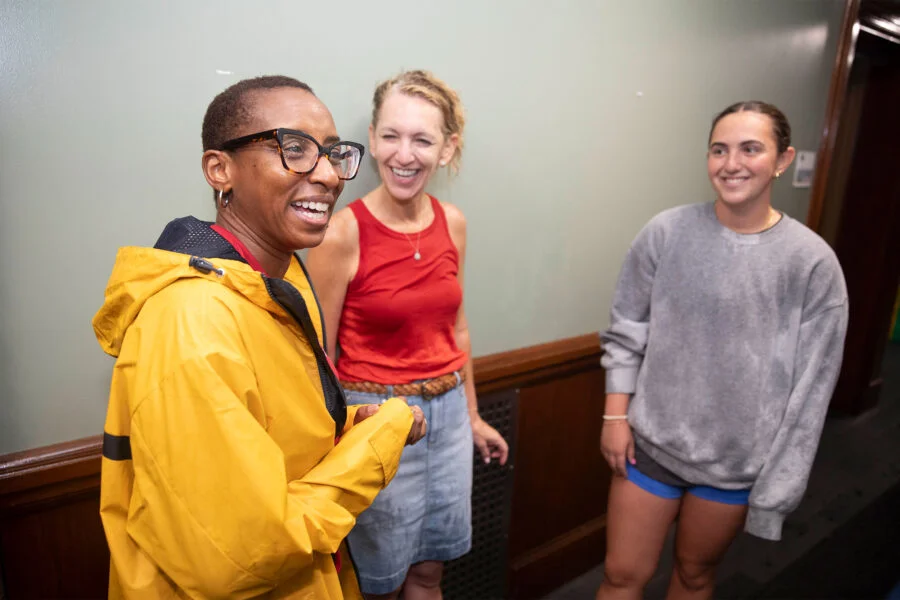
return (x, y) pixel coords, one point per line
(769, 222)
(415, 248)
(416, 254)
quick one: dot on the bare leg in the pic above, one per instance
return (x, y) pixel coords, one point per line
(636, 527)
(705, 530)
(423, 582)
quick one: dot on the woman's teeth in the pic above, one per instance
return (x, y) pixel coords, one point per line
(404, 172)
(316, 206)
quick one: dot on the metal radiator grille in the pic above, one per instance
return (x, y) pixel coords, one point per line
(481, 574)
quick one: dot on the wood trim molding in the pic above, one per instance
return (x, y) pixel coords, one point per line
(61, 470)
(837, 92)
(536, 363)
(51, 474)
(546, 568)
(592, 528)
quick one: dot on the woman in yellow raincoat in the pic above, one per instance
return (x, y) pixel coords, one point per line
(232, 466)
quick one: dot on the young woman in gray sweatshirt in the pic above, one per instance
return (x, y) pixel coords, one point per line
(725, 343)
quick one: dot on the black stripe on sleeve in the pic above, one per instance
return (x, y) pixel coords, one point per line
(116, 447)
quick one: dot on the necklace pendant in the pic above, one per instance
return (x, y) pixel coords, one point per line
(417, 256)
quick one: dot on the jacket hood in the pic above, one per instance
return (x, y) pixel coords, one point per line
(187, 248)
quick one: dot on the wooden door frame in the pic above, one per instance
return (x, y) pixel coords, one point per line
(837, 94)
(828, 198)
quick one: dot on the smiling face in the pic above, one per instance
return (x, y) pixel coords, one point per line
(286, 210)
(408, 144)
(743, 158)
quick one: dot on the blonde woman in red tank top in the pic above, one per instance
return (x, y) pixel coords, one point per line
(390, 280)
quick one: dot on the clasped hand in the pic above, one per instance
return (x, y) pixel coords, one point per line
(416, 432)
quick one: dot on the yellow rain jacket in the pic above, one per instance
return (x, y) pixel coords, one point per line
(221, 477)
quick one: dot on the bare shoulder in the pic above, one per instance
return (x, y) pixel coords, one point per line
(456, 220)
(342, 237)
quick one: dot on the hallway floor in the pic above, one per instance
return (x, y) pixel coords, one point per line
(843, 541)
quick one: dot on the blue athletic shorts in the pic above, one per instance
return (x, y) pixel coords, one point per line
(674, 487)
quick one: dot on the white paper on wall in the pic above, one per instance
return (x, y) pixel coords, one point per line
(804, 165)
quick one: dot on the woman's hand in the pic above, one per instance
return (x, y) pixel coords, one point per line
(416, 432)
(617, 445)
(364, 412)
(419, 427)
(488, 441)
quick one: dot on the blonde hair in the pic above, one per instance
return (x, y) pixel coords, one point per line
(425, 85)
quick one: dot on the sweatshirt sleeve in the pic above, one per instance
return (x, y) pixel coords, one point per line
(626, 338)
(782, 481)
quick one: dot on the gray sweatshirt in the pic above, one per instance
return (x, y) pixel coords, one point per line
(730, 345)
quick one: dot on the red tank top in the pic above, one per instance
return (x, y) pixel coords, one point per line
(399, 318)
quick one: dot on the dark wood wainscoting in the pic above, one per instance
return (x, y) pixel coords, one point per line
(51, 539)
(52, 543)
(558, 521)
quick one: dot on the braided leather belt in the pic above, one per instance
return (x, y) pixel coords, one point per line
(428, 389)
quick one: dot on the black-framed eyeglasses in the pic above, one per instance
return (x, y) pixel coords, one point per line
(300, 152)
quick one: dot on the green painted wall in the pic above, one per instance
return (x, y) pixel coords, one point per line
(585, 119)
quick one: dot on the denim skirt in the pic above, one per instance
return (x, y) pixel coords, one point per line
(425, 513)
